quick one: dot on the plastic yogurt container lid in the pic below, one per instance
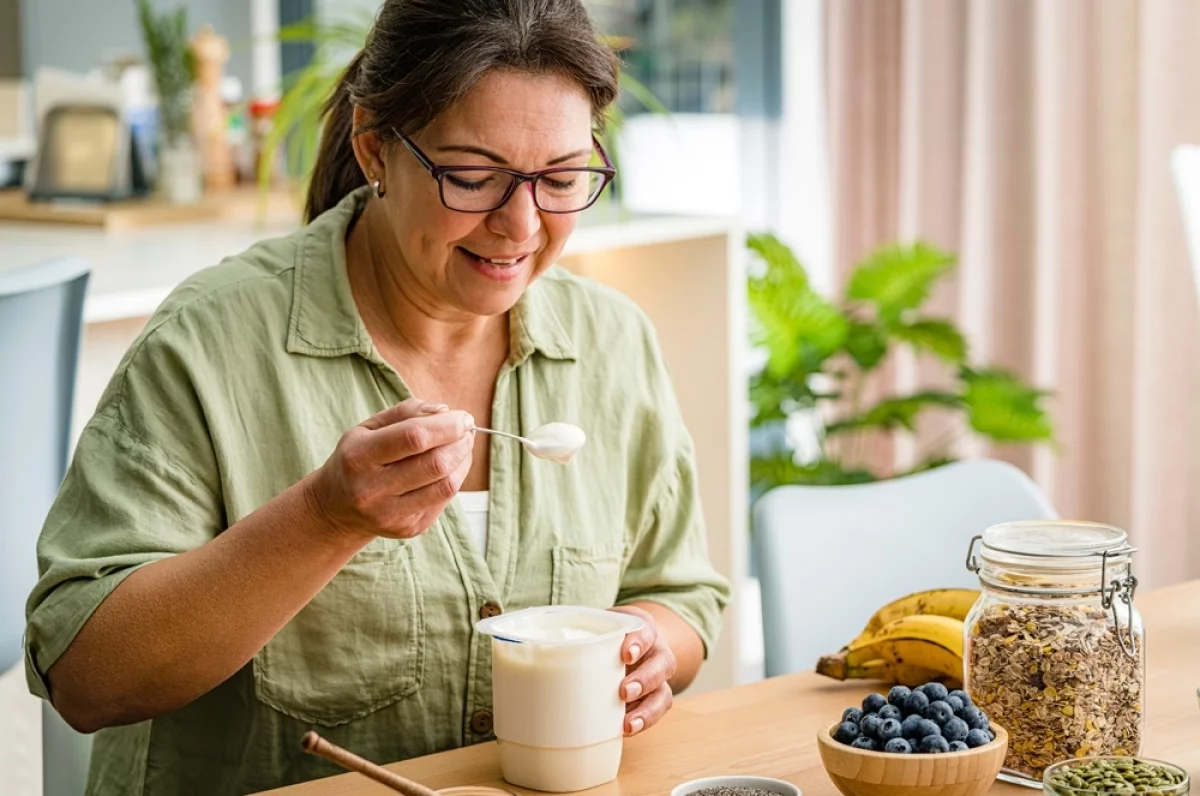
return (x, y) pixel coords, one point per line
(559, 625)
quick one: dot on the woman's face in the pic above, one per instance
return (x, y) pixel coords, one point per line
(517, 121)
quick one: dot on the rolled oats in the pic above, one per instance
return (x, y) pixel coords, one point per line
(1056, 677)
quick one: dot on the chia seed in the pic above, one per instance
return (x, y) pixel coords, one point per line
(738, 791)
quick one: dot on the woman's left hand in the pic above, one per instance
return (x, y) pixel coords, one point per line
(649, 664)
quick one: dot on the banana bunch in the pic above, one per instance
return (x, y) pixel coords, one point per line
(915, 640)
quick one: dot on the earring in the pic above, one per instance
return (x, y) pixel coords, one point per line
(375, 185)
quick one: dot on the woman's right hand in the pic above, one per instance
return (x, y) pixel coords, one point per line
(393, 474)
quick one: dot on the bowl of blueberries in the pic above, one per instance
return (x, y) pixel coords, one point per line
(913, 742)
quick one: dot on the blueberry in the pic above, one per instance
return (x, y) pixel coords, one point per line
(916, 702)
(911, 727)
(863, 742)
(846, 732)
(873, 703)
(888, 730)
(978, 738)
(935, 691)
(958, 746)
(897, 695)
(973, 716)
(933, 745)
(955, 730)
(898, 746)
(955, 704)
(927, 728)
(891, 712)
(964, 696)
(869, 726)
(939, 712)
(852, 714)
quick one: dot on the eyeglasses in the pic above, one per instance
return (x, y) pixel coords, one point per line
(482, 189)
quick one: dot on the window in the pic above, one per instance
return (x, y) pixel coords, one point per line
(682, 50)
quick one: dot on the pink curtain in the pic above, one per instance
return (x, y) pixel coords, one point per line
(1033, 139)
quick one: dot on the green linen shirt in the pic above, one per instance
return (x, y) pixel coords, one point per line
(241, 384)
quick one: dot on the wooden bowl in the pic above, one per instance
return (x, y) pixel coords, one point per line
(858, 772)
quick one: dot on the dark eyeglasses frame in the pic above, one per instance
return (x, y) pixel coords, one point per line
(608, 172)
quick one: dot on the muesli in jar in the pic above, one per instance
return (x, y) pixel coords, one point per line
(1052, 655)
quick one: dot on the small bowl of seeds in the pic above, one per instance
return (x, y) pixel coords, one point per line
(1092, 776)
(736, 785)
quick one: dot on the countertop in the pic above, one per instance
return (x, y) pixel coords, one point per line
(135, 269)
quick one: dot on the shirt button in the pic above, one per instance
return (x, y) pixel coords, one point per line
(489, 610)
(481, 722)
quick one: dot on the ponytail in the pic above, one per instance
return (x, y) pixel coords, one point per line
(336, 172)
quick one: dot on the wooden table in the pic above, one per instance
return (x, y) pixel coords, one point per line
(769, 728)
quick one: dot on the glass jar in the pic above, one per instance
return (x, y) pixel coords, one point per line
(1054, 648)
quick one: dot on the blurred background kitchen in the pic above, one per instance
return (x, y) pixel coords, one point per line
(876, 236)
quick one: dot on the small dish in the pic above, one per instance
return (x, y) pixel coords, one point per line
(1177, 789)
(777, 786)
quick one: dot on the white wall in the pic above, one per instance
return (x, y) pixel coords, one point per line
(684, 163)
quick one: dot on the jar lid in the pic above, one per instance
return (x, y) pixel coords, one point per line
(1054, 544)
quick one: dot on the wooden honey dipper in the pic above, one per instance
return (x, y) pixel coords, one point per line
(316, 745)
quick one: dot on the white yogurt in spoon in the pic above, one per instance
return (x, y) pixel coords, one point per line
(558, 442)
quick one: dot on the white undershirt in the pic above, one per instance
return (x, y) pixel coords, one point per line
(475, 506)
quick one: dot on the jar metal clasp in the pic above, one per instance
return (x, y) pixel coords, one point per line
(972, 564)
(1120, 590)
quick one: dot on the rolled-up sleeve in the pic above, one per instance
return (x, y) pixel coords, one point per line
(667, 558)
(669, 563)
(125, 502)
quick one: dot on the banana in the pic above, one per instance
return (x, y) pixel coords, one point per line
(925, 655)
(939, 630)
(884, 670)
(953, 603)
(933, 643)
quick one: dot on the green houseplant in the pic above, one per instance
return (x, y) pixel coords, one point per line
(821, 353)
(169, 53)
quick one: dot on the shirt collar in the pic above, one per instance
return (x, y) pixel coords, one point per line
(325, 322)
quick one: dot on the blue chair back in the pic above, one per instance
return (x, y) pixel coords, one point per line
(829, 556)
(41, 323)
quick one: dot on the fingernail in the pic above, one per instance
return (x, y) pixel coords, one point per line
(633, 691)
(468, 422)
(636, 726)
(635, 652)
(433, 409)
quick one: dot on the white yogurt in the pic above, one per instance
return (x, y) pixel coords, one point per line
(556, 675)
(558, 442)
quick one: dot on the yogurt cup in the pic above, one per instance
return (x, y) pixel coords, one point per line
(557, 711)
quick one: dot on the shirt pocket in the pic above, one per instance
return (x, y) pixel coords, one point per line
(358, 646)
(586, 576)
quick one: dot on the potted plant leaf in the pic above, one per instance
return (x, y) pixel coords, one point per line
(822, 353)
(169, 53)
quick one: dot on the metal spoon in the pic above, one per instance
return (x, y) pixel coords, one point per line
(558, 442)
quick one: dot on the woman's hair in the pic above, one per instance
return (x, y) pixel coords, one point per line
(422, 56)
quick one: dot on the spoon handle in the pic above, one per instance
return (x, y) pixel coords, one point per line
(316, 745)
(502, 434)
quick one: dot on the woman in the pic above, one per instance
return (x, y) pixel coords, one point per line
(263, 530)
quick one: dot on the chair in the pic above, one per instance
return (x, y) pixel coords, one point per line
(41, 319)
(1185, 162)
(829, 556)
